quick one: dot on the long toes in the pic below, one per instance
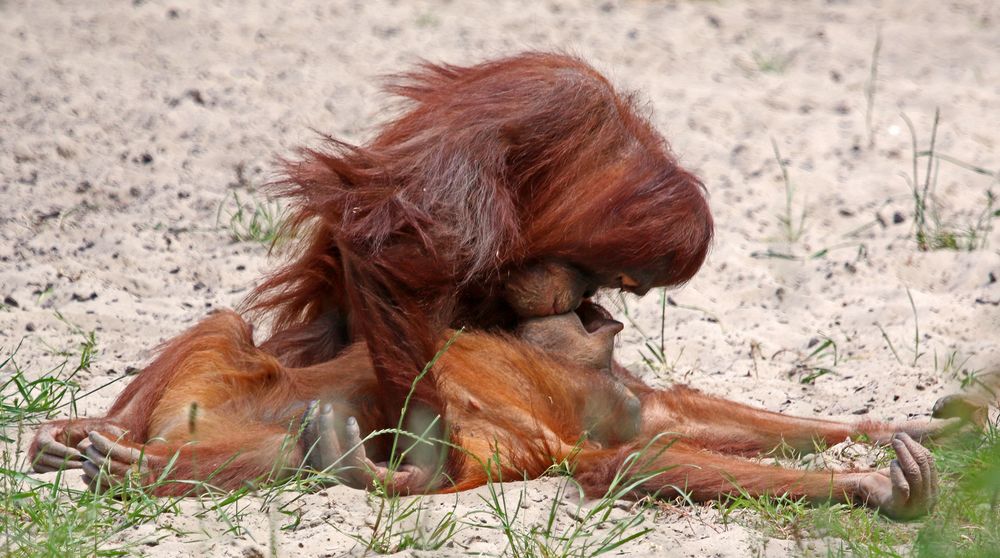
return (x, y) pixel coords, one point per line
(320, 437)
(326, 449)
(910, 469)
(114, 467)
(358, 469)
(82, 445)
(358, 457)
(309, 415)
(47, 462)
(900, 487)
(309, 432)
(935, 485)
(326, 423)
(49, 444)
(40, 466)
(352, 437)
(928, 469)
(53, 456)
(90, 472)
(924, 460)
(97, 479)
(105, 446)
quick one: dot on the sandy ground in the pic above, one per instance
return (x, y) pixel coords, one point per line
(125, 126)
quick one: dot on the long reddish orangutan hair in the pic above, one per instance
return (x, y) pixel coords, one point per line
(489, 168)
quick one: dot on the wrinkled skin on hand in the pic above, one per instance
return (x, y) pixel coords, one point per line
(58, 443)
(908, 488)
(110, 461)
(57, 447)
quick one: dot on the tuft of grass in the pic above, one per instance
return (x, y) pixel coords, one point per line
(776, 516)
(792, 223)
(839, 530)
(252, 220)
(930, 231)
(87, 345)
(428, 20)
(821, 361)
(792, 230)
(917, 352)
(25, 401)
(871, 87)
(40, 518)
(653, 352)
(772, 61)
(402, 524)
(953, 365)
(594, 528)
(849, 531)
(921, 195)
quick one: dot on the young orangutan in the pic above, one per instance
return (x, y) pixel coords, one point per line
(231, 413)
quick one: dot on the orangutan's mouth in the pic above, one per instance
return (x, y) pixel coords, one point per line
(595, 318)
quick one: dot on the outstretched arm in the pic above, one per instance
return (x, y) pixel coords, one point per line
(907, 489)
(730, 427)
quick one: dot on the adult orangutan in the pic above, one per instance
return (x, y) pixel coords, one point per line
(214, 407)
(509, 189)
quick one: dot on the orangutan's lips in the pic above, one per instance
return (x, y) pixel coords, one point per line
(595, 318)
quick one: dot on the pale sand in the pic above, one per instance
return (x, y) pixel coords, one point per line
(200, 89)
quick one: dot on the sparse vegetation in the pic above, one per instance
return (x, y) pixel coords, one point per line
(792, 227)
(593, 528)
(40, 518)
(966, 521)
(917, 352)
(772, 60)
(653, 353)
(821, 361)
(871, 87)
(953, 365)
(930, 230)
(252, 220)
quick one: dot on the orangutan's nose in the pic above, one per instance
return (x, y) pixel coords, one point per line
(628, 283)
